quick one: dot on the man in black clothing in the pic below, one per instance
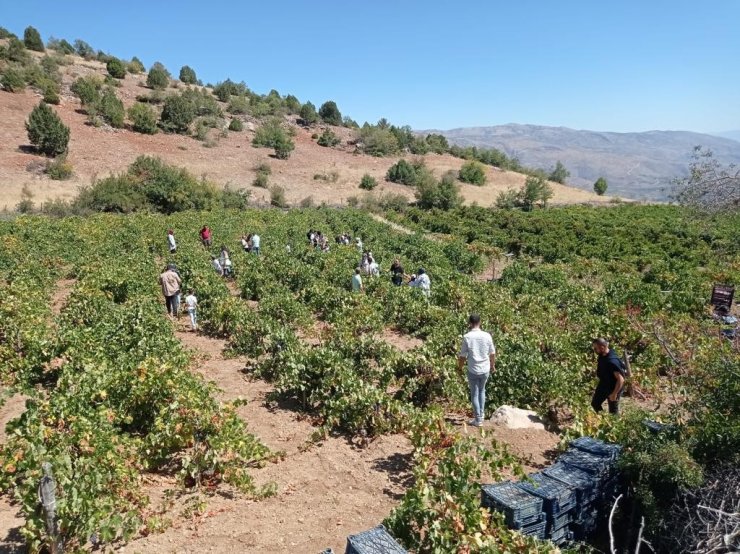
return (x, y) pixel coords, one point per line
(610, 373)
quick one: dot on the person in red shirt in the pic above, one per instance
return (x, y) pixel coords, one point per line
(205, 236)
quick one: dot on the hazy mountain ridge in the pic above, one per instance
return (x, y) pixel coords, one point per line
(636, 165)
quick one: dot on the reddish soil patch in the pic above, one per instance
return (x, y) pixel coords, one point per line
(536, 448)
(400, 340)
(61, 294)
(11, 541)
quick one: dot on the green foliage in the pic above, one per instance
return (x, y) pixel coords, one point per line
(378, 142)
(535, 190)
(83, 49)
(402, 172)
(143, 118)
(13, 80)
(328, 138)
(329, 113)
(559, 174)
(444, 194)
(236, 125)
(263, 172)
(62, 46)
(277, 197)
(116, 68)
(135, 67)
(238, 105)
(178, 113)
(4, 33)
(158, 77)
(46, 131)
(225, 90)
(600, 186)
(187, 75)
(472, 172)
(111, 108)
(271, 134)
(87, 89)
(308, 114)
(32, 39)
(368, 182)
(292, 104)
(60, 169)
(437, 143)
(16, 52)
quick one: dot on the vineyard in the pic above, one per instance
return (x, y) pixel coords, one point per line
(112, 395)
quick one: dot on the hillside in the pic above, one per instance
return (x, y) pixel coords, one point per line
(636, 165)
(99, 151)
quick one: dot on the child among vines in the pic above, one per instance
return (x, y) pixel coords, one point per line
(192, 306)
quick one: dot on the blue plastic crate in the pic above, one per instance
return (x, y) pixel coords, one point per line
(518, 506)
(375, 541)
(534, 520)
(562, 520)
(556, 497)
(598, 447)
(595, 465)
(538, 530)
(585, 484)
(561, 536)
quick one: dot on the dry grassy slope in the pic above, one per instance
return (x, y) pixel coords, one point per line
(101, 151)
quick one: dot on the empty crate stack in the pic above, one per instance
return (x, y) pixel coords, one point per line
(568, 495)
(375, 541)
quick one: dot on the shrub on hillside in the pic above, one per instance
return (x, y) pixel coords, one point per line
(15, 51)
(329, 113)
(368, 182)
(402, 172)
(116, 68)
(135, 66)
(437, 143)
(50, 91)
(46, 131)
(32, 39)
(261, 181)
(534, 190)
(4, 33)
(559, 173)
(600, 186)
(158, 77)
(228, 88)
(277, 197)
(187, 75)
(87, 89)
(83, 49)
(238, 105)
(143, 118)
(59, 169)
(472, 172)
(378, 142)
(444, 194)
(272, 135)
(292, 104)
(62, 46)
(178, 113)
(111, 108)
(308, 114)
(12, 80)
(328, 138)
(236, 125)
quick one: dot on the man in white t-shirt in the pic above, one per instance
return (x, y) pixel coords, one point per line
(256, 243)
(480, 353)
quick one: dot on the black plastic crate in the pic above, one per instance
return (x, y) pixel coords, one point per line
(585, 484)
(562, 520)
(595, 465)
(518, 506)
(556, 497)
(534, 520)
(375, 541)
(537, 530)
(561, 536)
(597, 447)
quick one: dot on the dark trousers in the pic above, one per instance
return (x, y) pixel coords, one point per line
(601, 394)
(172, 304)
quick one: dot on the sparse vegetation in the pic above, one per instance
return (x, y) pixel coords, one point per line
(32, 40)
(472, 172)
(116, 68)
(158, 77)
(368, 182)
(135, 67)
(60, 169)
(143, 118)
(328, 139)
(710, 186)
(12, 80)
(308, 114)
(559, 174)
(535, 190)
(277, 197)
(271, 134)
(62, 46)
(600, 186)
(328, 176)
(46, 131)
(84, 50)
(187, 75)
(236, 125)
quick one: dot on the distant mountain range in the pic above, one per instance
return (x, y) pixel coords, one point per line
(636, 165)
(734, 135)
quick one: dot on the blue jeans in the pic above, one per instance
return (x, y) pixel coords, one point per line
(477, 384)
(193, 319)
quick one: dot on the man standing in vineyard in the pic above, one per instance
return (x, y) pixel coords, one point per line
(480, 353)
(610, 372)
(170, 281)
(357, 285)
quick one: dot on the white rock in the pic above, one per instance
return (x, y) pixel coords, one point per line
(515, 418)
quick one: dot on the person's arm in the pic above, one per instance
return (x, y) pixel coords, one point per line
(618, 386)
(492, 356)
(462, 357)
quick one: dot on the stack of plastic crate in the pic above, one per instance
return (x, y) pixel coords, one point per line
(558, 502)
(375, 541)
(522, 510)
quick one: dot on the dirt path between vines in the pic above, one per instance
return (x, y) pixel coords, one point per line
(325, 492)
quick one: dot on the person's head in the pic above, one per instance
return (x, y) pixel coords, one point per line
(357, 270)
(396, 261)
(170, 267)
(474, 321)
(190, 291)
(421, 271)
(213, 258)
(170, 232)
(600, 346)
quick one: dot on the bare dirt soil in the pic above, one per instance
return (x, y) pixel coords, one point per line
(98, 152)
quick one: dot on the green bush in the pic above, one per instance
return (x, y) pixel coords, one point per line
(143, 118)
(559, 173)
(177, 114)
(238, 105)
(111, 108)
(308, 114)
(472, 172)
(378, 142)
(272, 135)
(158, 77)
(236, 125)
(32, 40)
(83, 49)
(228, 88)
(87, 89)
(50, 91)
(507, 200)
(328, 138)
(46, 131)
(62, 46)
(261, 181)
(600, 186)
(368, 182)
(534, 190)
(277, 197)
(402, 172)
(154, 97)
(264, 168)
(116, 68)
(329, 113)
(59, 169)
(4, 33)
(444, 194)
(135, 66)
(187, 75)
(292, 104)
(16, 52)
(12, 80)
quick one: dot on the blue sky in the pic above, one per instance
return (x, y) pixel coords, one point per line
(618, 65)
